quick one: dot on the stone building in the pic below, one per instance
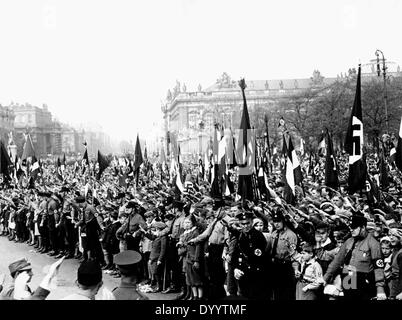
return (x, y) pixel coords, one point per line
(191, 115)
(38, 123)
(7, 117)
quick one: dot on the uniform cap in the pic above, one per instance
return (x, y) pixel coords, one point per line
(89, 273)
(19, 265)
(358, 220)
(278, 216)
(127, 258)
(244, 215)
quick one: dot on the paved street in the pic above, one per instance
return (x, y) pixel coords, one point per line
(11, 251)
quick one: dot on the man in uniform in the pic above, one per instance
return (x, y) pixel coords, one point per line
(250, 259)
(282, 249)
(360, 259)
(127, 262)
(130, 231)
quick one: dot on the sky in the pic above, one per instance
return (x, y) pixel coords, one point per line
(112, 62)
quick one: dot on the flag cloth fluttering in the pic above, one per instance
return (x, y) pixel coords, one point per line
(293, 174)
(354, 144)
(331, 166)
(245, 152)
(215, 188)
(103, 164)
(29, 150)
(397, 155)
(5, 162)
(59, 172)
(138, 160)
(85, 159)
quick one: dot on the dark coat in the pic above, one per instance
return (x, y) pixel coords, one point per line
(109, 240)
(158, 250)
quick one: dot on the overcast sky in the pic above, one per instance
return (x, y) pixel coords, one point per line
(112, 62)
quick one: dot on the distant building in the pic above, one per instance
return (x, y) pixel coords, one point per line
(191, 115)
(7, 117)
(38, 123)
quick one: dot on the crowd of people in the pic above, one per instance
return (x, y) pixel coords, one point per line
(327, 245)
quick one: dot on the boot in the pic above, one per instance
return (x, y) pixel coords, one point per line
(182, 294)
(189, 295)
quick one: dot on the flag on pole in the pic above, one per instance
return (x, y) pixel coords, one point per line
(5, 162)
(246, 152)
(397, 155)
(215, 189)
(293, 174)
(85, 159)
(354, 143)
(138, 160)
(302, 146)
(35, 168)
(331, 166)
(29, 150)
(103, 164)
(63, 163)
(383, 179)
(145, 153)
(322, 148)
(59, 172)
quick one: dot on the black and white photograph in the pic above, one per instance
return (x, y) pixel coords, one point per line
(209, 153)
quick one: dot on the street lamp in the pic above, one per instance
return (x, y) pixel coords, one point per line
(384, 72)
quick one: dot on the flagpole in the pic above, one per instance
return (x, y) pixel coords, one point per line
(384, 72)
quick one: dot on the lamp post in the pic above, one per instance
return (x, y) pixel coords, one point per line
(384, 73)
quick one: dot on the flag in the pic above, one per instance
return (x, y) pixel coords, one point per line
(392, 153)
(268, 157)
(179, 184)
(63, 163)
(293, 174)
(201, 169)
(322, 148)
(231, 151)
(215, 189)
(138, 160)
(29, 150)
(398, 150)
(59, 172)
(384, 179)
(35, 168)
(18, 172)
(331, 167)
(103, 164)
(373, 192)
(354, 144)
(5, 162)
(246, 152)
(85, 159)
(301, 146)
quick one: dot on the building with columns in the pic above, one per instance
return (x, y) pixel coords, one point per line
(190, 116)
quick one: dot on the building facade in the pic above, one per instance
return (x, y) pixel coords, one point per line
(49, 136)
(7, 117)
(190, 116)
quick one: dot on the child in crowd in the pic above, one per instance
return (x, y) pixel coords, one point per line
(310, 276)
(386, 250)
